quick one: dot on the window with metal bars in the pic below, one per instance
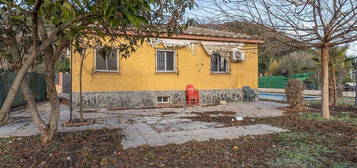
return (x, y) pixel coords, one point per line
(165, 61)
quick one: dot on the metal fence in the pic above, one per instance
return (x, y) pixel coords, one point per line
(36, 81)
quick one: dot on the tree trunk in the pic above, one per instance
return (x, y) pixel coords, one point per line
(325, 81)
(55, 107)
(80, 90)
(26, 90)
(339, 89)
(33, 108)
(50, 61)
(34, 52)
(332, 82)
(334, 86)
(48, 136)
(4, 112)
(330, 88)
(51, 56)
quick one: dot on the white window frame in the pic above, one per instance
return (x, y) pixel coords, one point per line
(102, 70)
(218, 64)
(174, 64)
(162, 102)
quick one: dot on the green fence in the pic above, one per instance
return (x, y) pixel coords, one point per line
(281, 81)
(36, 81)
(272, 82)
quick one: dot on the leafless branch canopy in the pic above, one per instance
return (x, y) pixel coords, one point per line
(312, 23)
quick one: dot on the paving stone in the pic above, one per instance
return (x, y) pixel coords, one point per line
(133, 141)
(176, 139)
(206, 134)
(149, 126)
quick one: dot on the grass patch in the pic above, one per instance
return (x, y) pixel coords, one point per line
(342, 165)
(337, 117)
(299, 150)
(292, 137)
(340, 101)
(304, 150)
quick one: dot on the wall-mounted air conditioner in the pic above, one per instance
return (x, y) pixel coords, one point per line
(237, 55)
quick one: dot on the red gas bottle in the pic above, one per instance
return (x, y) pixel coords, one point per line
(192, 95)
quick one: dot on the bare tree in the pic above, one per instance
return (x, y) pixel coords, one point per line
(298, 23)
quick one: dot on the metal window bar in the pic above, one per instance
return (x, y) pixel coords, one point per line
(165, 61)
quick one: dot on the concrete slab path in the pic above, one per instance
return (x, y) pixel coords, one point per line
(157, 126)
(143, 134)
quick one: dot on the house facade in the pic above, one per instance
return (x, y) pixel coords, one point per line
(216, 63)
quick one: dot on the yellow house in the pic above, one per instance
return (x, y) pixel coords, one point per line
(217, 63)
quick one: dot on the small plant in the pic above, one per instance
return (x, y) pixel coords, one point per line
(295, 93)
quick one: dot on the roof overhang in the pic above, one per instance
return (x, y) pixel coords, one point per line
(210, 38)
(198, 37)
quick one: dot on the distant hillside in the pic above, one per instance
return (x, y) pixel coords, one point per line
(271, 47)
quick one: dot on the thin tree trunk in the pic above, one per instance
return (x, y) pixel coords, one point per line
(325, 81)
(26, 90)
(339, 89)
(30, 99)
(334, 87)
(4, 112)
(80, 90)
(33, 108)
(331, 86)
(330, 83)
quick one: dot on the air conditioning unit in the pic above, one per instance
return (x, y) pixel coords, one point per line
(237, 55)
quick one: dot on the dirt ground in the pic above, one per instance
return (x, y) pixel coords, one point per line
(310, 143)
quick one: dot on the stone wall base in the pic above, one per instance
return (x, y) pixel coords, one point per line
(142, 99)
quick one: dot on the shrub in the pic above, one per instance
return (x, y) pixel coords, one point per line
(295, 93)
